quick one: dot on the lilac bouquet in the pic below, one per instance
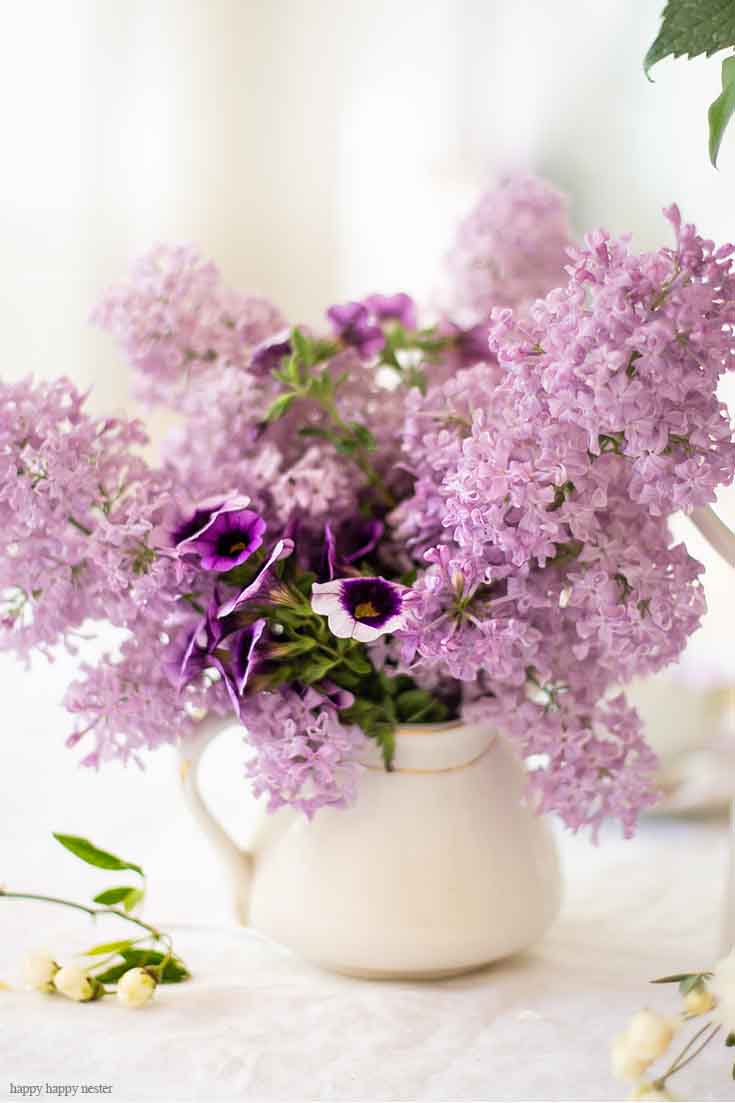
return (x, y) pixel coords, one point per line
(386, 521)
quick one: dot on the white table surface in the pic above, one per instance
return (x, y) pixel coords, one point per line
(256, 1024)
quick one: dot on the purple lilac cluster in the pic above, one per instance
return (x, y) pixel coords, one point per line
(509, 250)
(556, 578)
(175, 319)
(384, 521)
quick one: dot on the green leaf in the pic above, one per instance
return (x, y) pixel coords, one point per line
(721, 111)
(132, 900)
(315, 431)
(174, 973)
(302, 347)
(385, 737)
(109, 948)
(673, 979)
(110, 897)
(730, 1040)
(91, 854)
(279, 407)
(418, 706)
(363, 436)
(688, 984)
(357, 662)
(693, 27)
(315, 668)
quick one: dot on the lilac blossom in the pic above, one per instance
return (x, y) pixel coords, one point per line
(304, 755)
(526, 488)
(510, 249)
(175, 320)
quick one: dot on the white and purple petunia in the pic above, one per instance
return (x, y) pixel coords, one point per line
(229, 539)
(360, 608)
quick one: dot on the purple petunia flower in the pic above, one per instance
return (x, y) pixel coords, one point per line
(193, 650)
(351, 322)
(398, 308)
(360, 608)
(269, 354)
(353, 540)
(195, 523)
(229, 540)
(259, 585)
(242, 647)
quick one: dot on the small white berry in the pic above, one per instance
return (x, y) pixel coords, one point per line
(626, 1065)
(39, 970)
(73, 981)
(135, 988)
(650, 1034)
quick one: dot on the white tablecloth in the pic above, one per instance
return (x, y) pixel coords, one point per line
(257, 1024)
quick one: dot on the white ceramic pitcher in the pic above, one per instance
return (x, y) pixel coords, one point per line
(438, 868)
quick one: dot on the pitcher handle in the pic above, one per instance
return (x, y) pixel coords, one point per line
(716, 532)
(238, 862)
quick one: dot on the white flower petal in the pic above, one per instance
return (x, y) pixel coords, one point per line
(365, 633)
(341, 624)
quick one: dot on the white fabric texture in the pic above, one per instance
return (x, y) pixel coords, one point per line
(257, 1024)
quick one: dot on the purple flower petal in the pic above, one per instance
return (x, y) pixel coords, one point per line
(194, 524)
(243, 646)
(350, 322)
(400, 308)
(269, 355)
(261, 581)
(229, 540)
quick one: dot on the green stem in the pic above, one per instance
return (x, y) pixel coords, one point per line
(682, 1059)
(78, 525)
(375, 480)
(94, 912)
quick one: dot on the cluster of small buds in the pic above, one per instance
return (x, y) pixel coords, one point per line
(42, 973)
(649, 1033)
(646, 1038)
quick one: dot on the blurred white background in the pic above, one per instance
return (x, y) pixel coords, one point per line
(316, 149)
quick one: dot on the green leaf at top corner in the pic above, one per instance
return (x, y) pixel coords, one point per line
(691, 28)
(92, 855)
(722, 109)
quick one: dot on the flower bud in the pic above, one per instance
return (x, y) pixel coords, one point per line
(723, 990)
(73, 981)
(626, 1065)
(698, 1001)
(650, 1034)
(136, 987)
(39, 970)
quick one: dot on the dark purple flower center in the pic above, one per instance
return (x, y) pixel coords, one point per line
(371, 601)
(233, 542)
(192, 525)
